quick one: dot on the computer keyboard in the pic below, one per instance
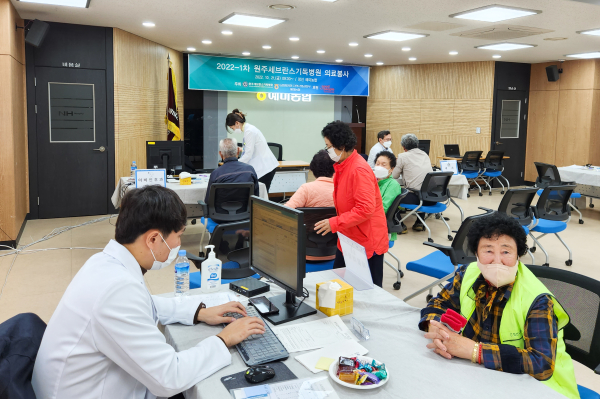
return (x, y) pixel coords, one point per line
(259, 348)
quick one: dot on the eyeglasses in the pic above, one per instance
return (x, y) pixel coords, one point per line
(327, 147)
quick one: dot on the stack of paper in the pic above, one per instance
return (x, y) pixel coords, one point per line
(313, 335)
(346, 348)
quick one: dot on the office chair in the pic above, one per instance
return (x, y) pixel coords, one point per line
(552, 213)
(227, 202)
(442, 264)
(493, 166)
(231, 241)
(277, 150)
(548, 175)
(433, 189)
(316, 244)
(470, 167)
(580, 297)
(395, 226)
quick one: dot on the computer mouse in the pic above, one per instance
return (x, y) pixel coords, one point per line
(256, 374)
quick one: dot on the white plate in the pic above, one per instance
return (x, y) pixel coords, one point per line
(334, 368)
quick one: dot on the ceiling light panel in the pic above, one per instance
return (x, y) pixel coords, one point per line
(494, 13)
(594, 32)
(254, 21)
(395, 36)
(595, 54)
(148, 24)
(504, 46)
(68, 3)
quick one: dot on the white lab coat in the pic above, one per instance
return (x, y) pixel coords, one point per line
(103, 341)
(257, 152)
(376, 149)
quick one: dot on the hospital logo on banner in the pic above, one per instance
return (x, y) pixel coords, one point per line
(261, 96)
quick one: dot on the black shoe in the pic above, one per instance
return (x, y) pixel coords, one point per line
(404, 229)
(418, 227)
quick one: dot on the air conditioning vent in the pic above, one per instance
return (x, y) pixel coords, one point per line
(435, 26)
(501, 32)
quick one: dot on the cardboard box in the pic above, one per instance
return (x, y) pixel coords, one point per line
(344, 299)
(185, 181)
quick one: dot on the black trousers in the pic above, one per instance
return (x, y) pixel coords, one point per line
(267, 179)
(375, 265)
(412, 199)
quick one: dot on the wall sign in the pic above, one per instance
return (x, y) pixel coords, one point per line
(249, 75)
(296, 98)
(149, 177)
(71, 107)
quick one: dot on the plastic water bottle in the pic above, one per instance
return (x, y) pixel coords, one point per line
(182, 274)
(133, 169)
(211, 272)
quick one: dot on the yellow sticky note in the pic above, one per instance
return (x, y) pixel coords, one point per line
(324, 363)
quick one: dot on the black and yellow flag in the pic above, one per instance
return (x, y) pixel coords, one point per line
(172, 116)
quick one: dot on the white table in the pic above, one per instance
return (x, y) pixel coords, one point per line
(458, 186)
(588, 180)
(415, 371)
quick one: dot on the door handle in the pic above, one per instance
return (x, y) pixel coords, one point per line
(101, 149)
(497, 143)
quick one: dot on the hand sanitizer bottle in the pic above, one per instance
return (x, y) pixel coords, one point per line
(211, 272)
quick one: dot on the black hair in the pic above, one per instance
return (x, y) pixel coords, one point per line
(233, 117)
(496, 225)
(340, 135)
(322, 165)
(389, 156)
(382, 134)
(151, 207)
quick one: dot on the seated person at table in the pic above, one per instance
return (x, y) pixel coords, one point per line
(384, 143)
(514, 323)
(318, 193)
(103, 340)
(389, 188)
(413, 164)
(232, 171)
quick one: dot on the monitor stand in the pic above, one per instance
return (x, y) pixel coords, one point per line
(288, 309)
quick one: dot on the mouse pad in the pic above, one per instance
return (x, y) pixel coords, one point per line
(237, 380)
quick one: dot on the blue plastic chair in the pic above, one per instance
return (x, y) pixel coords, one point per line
(318, 266)
(316, 244)
(586, 393)
(552, 213)
(548, 175)
(493, 166)
(470, 167)
(442, 265)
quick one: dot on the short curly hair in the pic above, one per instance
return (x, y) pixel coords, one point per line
(340, 135)
(389, 156)
(496, 225)
(322, 165)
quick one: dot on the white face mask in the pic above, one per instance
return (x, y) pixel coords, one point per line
(381, 172)
(238, 131)
(334, 157)
(172, 255)
(387, 144)
(498, 275)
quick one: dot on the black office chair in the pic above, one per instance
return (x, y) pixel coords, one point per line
(277, 150)
(227, 202)
(395, 226)
(552, 212)
(580, 297)
(493, 166)
(231, 241)
(443, 264)
(548, 175)
(316, 244)
(470, 167)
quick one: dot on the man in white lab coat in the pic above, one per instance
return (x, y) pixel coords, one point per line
(103, 341)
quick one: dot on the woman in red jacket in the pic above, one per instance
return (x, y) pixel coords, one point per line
(357, 200)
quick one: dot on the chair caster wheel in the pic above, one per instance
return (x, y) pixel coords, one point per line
(437, 215)
(580, 221)
(193, 221)
(430, 239)
(569, 262)
(428, 297)
(591, 205)
(450, 238)
(468, 195)
(546, 264)
(397, 285)
(401, 274)
(490, 193)
(532, 249)
(501, 192)
(481, 194)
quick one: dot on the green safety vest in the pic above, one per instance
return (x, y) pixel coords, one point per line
(526, 289)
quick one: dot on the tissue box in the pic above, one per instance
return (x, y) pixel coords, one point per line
(185, 181)
(344, 300)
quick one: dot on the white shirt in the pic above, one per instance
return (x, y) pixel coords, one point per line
(413, 165)
(257, 152)
(103, 341)
(376, 149)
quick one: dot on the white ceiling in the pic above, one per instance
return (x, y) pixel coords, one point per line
(331, 26)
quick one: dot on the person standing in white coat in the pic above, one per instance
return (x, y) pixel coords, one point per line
(103, 340)
(256, 151)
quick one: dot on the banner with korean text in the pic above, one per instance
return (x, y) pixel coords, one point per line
(266, 76)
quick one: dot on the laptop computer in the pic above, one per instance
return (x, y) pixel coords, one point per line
(452, 150)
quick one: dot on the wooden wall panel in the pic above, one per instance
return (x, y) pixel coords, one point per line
(475, 80)
(577, 75)
(595, 130)
(541, 130)
(141, 96)
(574, 124)
(378, 119)
(470, 114)
(11, 39)
(539, 79)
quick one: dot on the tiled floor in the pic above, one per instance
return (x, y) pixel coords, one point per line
(38, 280)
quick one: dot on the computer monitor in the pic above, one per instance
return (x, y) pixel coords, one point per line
(424, 146)
(277, 252)
(167, 155)
(452, 150)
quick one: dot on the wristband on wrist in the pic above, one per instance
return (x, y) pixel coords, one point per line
(474, 355)
(480, 355)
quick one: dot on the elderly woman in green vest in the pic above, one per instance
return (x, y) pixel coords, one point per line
(390, 189)
(514, 323)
